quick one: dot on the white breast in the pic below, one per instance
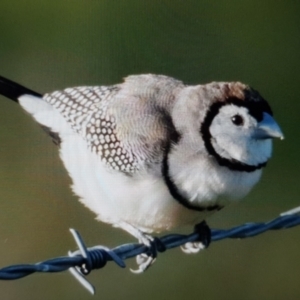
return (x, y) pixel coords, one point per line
(203, 181)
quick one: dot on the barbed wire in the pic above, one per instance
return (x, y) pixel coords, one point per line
(81, 262)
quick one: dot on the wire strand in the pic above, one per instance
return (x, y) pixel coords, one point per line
(81, 262)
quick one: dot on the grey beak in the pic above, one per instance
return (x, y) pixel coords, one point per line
(268, 128)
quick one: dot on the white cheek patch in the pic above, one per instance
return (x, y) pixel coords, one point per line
(234, 142)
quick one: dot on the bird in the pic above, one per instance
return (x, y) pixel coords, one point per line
(153, 154)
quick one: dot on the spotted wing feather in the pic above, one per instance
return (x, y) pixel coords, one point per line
(126, 125)
(85, 108)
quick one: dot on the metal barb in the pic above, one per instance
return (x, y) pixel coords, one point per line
(75, 271)
(295, 210)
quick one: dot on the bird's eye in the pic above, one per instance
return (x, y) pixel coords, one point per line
(237, 120)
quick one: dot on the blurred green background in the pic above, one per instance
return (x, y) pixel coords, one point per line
(49, 45)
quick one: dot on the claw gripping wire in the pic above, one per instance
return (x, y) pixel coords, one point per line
(81, 262)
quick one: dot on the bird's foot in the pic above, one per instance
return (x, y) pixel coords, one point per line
(154, 245)
(145, 260)
(205, 238)
(192, 247)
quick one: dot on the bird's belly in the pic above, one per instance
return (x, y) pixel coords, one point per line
(149, 206)
(142, 201)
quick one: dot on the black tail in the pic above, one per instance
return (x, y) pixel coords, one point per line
(14, 90)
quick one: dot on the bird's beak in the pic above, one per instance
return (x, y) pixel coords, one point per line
(267, 129)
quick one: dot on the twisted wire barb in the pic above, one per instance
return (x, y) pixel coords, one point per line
(81, 262)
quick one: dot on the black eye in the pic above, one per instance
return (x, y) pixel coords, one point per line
(237, 120)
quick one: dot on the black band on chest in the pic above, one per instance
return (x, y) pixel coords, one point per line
(173, 138)
(174, 191)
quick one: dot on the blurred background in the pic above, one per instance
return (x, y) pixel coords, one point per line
(49, 45)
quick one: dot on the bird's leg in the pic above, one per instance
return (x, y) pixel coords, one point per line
(144, 260)
(205, 239)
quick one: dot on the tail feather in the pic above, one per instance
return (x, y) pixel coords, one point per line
(13, 90)
(30, 101)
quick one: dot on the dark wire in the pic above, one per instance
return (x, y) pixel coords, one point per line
(84, 260)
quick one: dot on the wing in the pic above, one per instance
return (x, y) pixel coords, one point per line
(128, 128)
